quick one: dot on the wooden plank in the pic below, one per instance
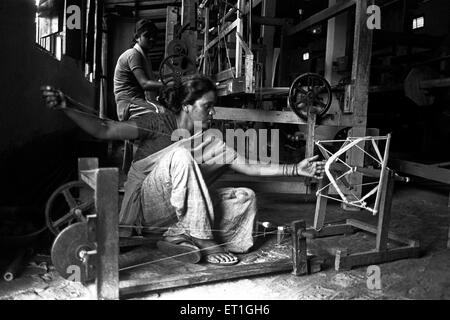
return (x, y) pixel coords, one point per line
(107, 233)
(429, 172)
(128, 287)
(346, 262)
(370, 228)
(322, 16)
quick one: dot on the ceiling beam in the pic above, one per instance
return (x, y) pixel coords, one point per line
(321, 16)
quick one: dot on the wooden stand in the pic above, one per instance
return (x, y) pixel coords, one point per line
(103, 231)
(381, 254)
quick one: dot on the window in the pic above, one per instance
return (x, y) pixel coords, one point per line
(418, 22)
(49, 26)
(306, 56)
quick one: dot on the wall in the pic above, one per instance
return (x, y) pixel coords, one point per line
(31, 135)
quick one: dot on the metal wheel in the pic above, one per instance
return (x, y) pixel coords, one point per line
(310, 92)
(68, 204)
(174, 67)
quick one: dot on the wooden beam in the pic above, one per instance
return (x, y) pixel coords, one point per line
(255, 115)
(271, 21)
(372, 229)
(435, 83)
(345, 262)
(128, 287)
(112, 3)
(428, 172)
(323, 15)
(222, 34)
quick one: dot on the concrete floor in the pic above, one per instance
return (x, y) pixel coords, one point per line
(418, 214)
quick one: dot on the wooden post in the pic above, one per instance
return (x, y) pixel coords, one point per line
(190, 35)
(362, 55)
(240, 28)
(299, 253)
(107, 231)
(171, 21)
(206, 40)
(336, 43)
(283, 76)
(448, 241)
(267, 33)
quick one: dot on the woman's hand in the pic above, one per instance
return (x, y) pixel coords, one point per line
(54, 99)
(311, 168)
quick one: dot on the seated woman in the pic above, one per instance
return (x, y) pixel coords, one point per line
(168, 184)
(135, 86)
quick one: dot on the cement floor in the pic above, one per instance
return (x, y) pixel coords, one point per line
(418, 213)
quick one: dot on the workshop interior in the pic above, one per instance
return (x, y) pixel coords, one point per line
(361, 84)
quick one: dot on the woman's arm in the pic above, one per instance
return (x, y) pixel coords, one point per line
(99, 128)
(307, 168)
(145, 82)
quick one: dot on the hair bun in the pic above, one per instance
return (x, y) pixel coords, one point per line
(170, 97)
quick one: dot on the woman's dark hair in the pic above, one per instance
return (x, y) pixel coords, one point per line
(176, 96)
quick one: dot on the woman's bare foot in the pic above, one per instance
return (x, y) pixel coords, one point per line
(214, 253)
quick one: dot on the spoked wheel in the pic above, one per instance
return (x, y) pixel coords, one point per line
(310, 92)
(69, 204)
(174, 67)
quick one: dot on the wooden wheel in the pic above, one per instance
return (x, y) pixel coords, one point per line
(174, 67)
(68, 204)
(310, 92)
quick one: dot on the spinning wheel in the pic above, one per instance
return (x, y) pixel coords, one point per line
(69, 203)
(174, 67)
(71, 252)
(310, 92)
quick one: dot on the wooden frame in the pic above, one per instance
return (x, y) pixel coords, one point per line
(381, 253)
(103, 230)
